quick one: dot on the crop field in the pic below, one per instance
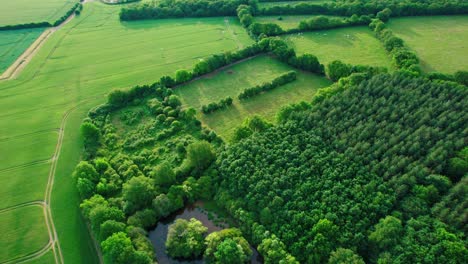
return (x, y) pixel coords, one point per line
(30, 11)
(231, 81)
(71, 73)
(24, 236)
(13, 43)
(356, 45)
(271, 4)
(439, 41)
(285, 22)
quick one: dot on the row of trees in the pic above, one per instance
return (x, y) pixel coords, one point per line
(267, 86)
(338, 69)
(359, 174)
(180, 8)
(402, 56)
(59, 21)
(361, 7)
(211, 107)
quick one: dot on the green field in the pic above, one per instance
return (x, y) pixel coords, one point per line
(231, 81)
(356, 45)
(14, 12)
(71, 73)
(282, 3)
(20, 235)
(13, 43)
(286, 22)
(439, 41)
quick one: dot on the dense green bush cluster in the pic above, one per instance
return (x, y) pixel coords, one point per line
(211, 107)
(144, 158)
(264, 87)
(402, 57)
(180, 8)
(360, 170)
(367, 7)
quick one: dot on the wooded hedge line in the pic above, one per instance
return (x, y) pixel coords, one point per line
(267, 86)
(180, 8)
(59, 21)
(212, 107)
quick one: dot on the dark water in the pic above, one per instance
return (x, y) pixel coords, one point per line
(159, 234)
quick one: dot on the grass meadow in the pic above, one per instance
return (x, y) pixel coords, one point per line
(286, 22)
(439, 41)
(14, 12)
(355, 45)
(231, 81)
(13, 43)
(71, 73)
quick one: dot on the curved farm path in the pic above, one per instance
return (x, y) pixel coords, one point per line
(23, 60)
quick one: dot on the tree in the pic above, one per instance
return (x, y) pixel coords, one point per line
(117, 98)
(86, 170)
(344, 256)
(183, 76)
(387, 233)
(118, 248)
(137, 193)
(110, 227)
(215, 239)
(85, 187)
(90, 134)
(174, 101)
(163, 174)
(337, 69)
(229, 252)
(384, 15)
(461, 77)
(200, 155)
(185, 238)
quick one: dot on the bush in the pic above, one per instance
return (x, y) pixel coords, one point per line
(212, 107)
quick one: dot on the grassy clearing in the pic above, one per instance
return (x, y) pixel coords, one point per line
(282, 3)
(355, 45)
(14, 42)
(23, 231)
(439, 41)
(231, 81)
(28, 11)
(285, 22)
(78, 66)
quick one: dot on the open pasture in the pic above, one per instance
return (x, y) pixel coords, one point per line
(355, 45)
(72, 72)
(13, 12)
(13, 43)
(232, 80)
(285, 22)
(439, 41)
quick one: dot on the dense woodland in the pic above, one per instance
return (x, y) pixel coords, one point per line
(370, 170)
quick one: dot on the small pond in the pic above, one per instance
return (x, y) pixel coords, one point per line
(159, 234)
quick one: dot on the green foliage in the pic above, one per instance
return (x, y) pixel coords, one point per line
(118, 248)
(212, 107)
(183, 76)
(200, 155)
(384, 15)
(90, 134)
(453, 208)
(137, 193)
(185, 239)
(344, 256)
(337, 70)
(277, 82)
(163, 175)
(461, 77)
(376, 144)
(224, 245)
